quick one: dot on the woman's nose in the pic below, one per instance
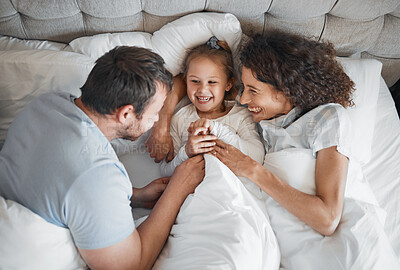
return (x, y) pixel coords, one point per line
(244, 99)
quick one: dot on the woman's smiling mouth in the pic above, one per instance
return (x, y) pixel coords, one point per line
(254, 109)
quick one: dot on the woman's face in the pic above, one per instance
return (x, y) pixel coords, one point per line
(206, 84)
(262, 99)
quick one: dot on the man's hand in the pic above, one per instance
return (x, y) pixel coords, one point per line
(159, 143)
(187, 176)
(147, 196)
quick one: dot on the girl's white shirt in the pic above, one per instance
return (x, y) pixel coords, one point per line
(236, 128)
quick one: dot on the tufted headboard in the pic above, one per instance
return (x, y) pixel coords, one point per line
(370, 28)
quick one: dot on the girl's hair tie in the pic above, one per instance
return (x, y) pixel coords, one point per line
(213, 43)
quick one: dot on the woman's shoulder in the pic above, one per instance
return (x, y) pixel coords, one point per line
(330, 111)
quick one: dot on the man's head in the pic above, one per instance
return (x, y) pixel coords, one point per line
(124, 76)
(128, 81)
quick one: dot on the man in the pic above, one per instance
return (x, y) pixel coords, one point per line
(58, 161)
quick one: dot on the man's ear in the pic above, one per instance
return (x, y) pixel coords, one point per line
(125, 112)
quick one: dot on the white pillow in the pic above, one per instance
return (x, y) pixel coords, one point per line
(27, 241)
(171, 41)
(29, 73)
(366, 74)
(98, 45)
(11, 43)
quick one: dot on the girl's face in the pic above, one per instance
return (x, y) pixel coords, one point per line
(206, 85)
(262, 99)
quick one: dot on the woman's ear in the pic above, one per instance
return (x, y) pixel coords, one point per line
(124, 113)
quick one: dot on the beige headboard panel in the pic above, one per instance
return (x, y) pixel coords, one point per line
(368, 27)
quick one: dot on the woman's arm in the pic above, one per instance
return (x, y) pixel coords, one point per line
(321, 211)
(159, 144)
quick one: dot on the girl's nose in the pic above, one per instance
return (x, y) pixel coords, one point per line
(203, 87)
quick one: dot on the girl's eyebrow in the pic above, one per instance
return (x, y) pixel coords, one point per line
(211, 77)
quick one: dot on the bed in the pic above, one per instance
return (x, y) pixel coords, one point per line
(52, 45)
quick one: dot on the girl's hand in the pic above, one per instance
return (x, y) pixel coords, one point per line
(234, 159)
(198, 143)
(205, 123)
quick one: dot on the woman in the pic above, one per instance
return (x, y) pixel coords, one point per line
(298, 93)
(287, 76)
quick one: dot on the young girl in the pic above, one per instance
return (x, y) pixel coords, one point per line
(208, 72)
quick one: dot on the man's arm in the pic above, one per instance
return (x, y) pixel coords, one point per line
(147, 197)
(141, 248)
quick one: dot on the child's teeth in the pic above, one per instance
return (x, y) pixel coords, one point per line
(204, 98)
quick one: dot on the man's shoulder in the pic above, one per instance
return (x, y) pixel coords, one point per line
(54, 97)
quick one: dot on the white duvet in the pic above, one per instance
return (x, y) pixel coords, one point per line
(359, 242)
(220, 226)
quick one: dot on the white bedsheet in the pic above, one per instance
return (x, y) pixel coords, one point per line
(383, 171)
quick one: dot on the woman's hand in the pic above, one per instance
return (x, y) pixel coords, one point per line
(198, 143)
(234, 159)
(147, 196)
(205, 123)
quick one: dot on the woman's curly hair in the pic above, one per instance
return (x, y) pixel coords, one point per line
(305, 70)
